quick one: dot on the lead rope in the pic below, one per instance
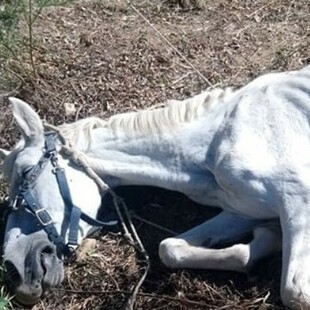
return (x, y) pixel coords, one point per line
(129, 232)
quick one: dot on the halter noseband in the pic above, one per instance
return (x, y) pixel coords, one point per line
(25, 199)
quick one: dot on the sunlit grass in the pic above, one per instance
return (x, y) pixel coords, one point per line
(5, 298)
(15, 42)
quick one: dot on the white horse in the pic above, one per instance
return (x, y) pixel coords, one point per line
(245, 151)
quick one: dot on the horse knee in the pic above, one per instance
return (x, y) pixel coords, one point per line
(172, 252)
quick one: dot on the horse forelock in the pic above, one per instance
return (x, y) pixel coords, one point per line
(159, 120)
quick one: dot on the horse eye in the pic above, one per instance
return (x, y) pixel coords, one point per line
(26, 172)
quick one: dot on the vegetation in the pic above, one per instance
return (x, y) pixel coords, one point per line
(5, 299)
(17, 62)
(16, 45)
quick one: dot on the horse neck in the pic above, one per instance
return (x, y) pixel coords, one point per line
(167, 159)
(150, 160)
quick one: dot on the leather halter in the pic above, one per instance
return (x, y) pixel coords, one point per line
(24, 199)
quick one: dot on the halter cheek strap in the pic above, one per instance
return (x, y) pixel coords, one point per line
(24, 198)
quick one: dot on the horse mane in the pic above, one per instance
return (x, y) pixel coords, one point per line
(154, 120)
(158, 120)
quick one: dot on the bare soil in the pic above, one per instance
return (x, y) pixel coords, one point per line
(104, 58)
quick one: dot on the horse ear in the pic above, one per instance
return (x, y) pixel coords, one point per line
(28, 120)
(4, 153)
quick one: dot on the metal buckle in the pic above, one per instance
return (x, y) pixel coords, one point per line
(43, 217)
(69, 253)
(57, 169)
(54, 159)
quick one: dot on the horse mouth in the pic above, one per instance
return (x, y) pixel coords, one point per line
(40, 273)
(23, 293)
(27, 300)
(11, 276)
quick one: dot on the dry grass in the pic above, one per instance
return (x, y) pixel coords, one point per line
(102, 57)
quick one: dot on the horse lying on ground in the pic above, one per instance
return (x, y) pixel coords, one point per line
(245, 151)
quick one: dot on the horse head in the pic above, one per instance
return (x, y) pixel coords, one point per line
(47, 199)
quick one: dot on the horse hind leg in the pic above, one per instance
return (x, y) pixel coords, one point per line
(295, 281)
(186, 252)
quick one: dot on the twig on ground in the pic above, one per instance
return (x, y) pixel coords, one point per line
(116, 292)
(137, 242)
(15, 74)
(169, 231)
(169, 43)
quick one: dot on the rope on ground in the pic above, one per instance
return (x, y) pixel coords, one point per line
(143, 220)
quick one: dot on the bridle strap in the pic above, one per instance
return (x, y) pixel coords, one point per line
(73, 213)
(44, 219)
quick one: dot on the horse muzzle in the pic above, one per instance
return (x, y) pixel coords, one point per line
(29, 278)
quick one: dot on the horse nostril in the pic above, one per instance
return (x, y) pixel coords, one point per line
(11, 275)
(48, 255)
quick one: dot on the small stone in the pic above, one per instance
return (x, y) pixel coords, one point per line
(70, 109)
(87, 246)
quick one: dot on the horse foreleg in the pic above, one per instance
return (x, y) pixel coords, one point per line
(185, 251)
(224, 228)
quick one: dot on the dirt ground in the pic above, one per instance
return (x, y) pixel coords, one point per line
(103, 57)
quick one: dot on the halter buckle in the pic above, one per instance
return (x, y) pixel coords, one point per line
(54, 160)
(43, 217)
(69, 253)
(58, 169)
